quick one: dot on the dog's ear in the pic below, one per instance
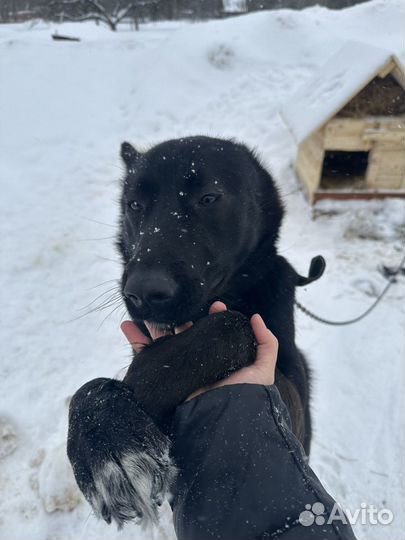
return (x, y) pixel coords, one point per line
(129, 155)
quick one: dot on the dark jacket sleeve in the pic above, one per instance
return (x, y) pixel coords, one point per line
(242, 473)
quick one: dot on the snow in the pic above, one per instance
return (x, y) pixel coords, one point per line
(56, 483)
(65, 108)
(345, 73)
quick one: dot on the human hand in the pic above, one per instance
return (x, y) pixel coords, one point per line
(262, 371)
(138, 340)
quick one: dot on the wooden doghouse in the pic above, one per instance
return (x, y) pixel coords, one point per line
(348, 122)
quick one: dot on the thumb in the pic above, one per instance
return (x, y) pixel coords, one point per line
(134, 335)
(267, 344)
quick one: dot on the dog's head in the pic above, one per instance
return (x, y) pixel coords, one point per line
(193, 211)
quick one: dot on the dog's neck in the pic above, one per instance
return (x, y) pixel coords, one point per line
(271, 293)
(265, 286)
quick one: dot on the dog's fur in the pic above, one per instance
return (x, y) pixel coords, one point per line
(200, 219)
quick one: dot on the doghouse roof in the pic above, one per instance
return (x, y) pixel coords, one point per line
(345, 74)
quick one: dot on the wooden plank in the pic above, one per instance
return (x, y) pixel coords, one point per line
(373, 168)
(385, 129)
(386, 122)
(392, 163)
(346, 134)
(313, 147)
(386, 168)
(387, 181)
(352, 134)
(366, 195)
(308, 172)
(398, 73)
(385, 70)
(382, 134)
(309, 162)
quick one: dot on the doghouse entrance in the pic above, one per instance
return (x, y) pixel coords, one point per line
(344, 170)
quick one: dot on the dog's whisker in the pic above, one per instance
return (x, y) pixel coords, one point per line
(103, 283)
(101, 258)
(107, 301)
(74, 319)
(116, 299)
(100, 296)
(109, 315)
(100, 222)
(96, 239)
(124, 314)
(91, 513)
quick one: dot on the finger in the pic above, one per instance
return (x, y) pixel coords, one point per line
(198, 392)
(181, 328)
(217, 307)
(262, 334)
(136, 338)
(155, 331)
(267, 344)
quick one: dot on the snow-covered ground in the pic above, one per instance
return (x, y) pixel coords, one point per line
(64, 109)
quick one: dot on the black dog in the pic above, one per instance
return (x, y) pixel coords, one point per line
(199, 221)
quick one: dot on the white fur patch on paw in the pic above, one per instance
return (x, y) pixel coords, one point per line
(132, 488)
(56, 484)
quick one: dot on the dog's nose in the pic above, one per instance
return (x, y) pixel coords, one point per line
(150, 288)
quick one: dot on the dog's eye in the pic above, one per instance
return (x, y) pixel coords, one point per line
(135, 205)
(209, 198)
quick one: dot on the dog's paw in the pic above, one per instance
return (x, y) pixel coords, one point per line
(119, 456)
(131, 487)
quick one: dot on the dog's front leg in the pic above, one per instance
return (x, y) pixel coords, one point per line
(165, 373)
(119, 456)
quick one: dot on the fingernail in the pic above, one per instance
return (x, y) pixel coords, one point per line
(257, 315)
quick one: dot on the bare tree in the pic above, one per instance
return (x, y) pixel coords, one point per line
(110, 13)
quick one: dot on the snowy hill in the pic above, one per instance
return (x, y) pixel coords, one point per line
(64, 109)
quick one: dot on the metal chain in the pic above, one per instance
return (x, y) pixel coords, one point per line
(360, 317)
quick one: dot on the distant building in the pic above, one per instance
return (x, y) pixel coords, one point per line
(234, 6)
(348, 122)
